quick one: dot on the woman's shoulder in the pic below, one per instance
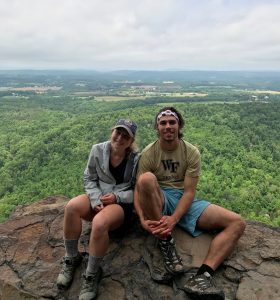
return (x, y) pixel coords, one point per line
(100, 150)
(101, 146)
(134, 155)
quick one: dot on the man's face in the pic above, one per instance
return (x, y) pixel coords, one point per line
(168, 128)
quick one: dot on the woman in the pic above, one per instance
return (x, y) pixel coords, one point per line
(107, 203)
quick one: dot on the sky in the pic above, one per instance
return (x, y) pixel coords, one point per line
(140, 35)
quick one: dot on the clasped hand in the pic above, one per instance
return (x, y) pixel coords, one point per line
(161, 228)
(106, 199)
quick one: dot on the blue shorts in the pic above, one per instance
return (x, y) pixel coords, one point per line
(188, 220)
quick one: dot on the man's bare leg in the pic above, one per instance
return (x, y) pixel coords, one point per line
(151, 202)
(150, 197)
(232, 227)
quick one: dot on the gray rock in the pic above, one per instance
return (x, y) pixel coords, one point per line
(31, 248)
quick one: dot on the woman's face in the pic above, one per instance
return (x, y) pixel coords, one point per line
(120, 139)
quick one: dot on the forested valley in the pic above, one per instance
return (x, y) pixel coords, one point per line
(45, 140)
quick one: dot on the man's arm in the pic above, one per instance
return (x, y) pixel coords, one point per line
(186, 200)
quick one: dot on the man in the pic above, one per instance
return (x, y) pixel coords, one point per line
(164, 196)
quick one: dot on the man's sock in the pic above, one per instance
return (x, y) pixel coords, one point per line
(93, 265)
(71, 248)
(169, 238)
(205, 268)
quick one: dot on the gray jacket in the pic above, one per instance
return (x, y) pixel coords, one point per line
(99, 181)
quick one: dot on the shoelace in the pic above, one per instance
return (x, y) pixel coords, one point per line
(170, 250)
(202, 281)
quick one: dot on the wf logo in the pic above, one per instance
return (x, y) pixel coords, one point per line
(170, 165)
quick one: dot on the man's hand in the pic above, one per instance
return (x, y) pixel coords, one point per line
(149, 225)
(165, 227)
(160, 229)
(108, 199)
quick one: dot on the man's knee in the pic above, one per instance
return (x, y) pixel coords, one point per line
(240, 225)
(147, 181)
(237, 226)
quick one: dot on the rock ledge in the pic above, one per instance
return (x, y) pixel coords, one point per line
(31, 248)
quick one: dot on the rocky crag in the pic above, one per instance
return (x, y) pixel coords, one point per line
(31, 248)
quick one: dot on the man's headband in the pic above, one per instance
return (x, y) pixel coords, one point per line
(167, 112)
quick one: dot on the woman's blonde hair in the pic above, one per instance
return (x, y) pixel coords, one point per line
(132, 147)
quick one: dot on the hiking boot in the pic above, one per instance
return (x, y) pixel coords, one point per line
(69, 265)
(202, 287)
(172, 260)
(90, 286)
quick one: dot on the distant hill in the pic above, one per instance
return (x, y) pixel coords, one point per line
(262, 79)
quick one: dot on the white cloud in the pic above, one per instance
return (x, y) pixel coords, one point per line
(147, 34)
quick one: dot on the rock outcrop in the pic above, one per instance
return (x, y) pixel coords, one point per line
(31, 248)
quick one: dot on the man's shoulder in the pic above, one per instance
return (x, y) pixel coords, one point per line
(189, 145)
(150, 147)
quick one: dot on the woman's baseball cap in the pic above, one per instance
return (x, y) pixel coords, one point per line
(128, 125)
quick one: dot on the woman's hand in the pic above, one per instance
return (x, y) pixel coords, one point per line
(98, 208)
(108, 199)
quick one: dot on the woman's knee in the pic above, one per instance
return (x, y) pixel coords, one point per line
(99, 226)
(71, 207)
(78, 206)
(110, 218)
